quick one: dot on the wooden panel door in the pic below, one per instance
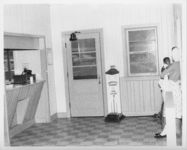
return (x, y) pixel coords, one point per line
(84, 69)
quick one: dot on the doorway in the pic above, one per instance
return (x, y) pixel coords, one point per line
(85, 74)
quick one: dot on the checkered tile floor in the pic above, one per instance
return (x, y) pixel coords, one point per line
(135, 131)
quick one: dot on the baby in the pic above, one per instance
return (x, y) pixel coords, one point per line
(167, 63)
(163, 82)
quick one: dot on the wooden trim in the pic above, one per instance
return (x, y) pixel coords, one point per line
(62, 115)
(22, 35)
(151, 113)
(65, 64)
(42, 120)
(20, 128)
(103, 78)
(54, 116)
(84, 30)
(21, 42)
(47, 77)
(59, 115)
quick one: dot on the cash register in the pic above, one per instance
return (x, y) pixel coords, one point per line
(24, 78)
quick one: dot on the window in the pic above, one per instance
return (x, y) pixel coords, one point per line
(142, 51)
(8, 64)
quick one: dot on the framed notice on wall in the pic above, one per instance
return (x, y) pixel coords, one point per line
(142, 51)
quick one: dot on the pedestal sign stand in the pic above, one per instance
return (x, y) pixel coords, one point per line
(113, 96)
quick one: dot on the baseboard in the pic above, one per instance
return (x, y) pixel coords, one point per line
(42, 120)
(54, 116)
(59, 115)
(19, 128)
(62, 115)
(139, 114)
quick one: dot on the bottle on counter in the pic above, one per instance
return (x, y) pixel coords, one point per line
(31, 80)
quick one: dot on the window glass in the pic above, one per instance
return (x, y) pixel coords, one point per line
(142, 63)
(142, 46)
(84, 59)
(85, 72)
(142, 51)
(141, 35)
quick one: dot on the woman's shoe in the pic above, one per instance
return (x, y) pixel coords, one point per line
(158, 135)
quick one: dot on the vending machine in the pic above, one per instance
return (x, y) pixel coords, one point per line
(113, 96)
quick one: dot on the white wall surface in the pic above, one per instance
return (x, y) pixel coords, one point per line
(29, 58)
(34, 20)
(111, 18)
(28, 19)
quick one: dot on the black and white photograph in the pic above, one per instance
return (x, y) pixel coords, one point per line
(95, 74)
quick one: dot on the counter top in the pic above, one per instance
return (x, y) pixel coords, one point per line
(15, 86)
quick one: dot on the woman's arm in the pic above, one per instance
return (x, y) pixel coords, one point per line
(167, 71)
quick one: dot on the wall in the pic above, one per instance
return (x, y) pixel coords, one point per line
(111, 18)
(34, 20)
(28, 19)
(140, 96)
(25, 58)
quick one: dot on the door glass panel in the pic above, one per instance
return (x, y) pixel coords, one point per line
(81, 59)
(83, 45)
(84, 72)
(84, 59)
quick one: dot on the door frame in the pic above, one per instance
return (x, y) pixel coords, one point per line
(65, 65)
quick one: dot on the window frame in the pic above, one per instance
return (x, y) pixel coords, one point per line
(126, 41)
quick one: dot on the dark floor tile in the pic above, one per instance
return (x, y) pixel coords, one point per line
(91, 131)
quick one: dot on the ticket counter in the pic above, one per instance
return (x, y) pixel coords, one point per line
(22, 102)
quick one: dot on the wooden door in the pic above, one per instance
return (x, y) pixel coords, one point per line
(84, 75)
